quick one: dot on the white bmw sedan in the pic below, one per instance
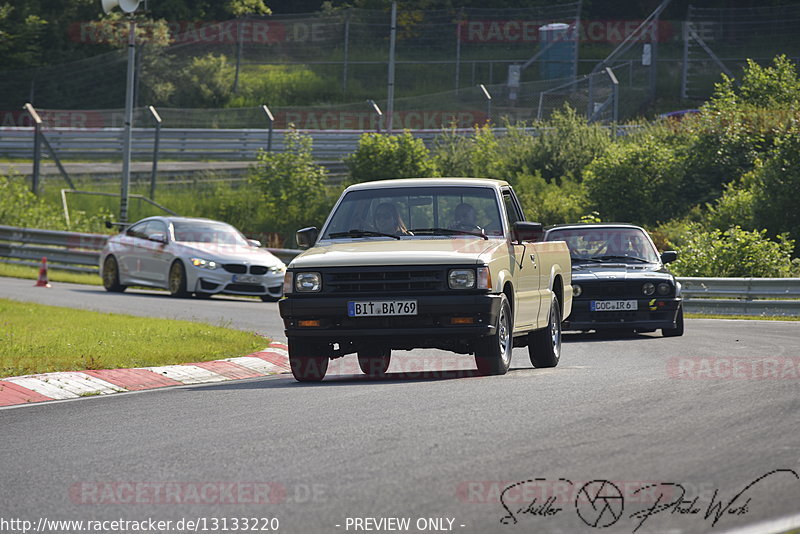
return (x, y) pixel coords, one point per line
(190, 255)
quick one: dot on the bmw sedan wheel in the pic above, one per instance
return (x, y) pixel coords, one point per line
(374, 361)
(111, 276)
(177, 280)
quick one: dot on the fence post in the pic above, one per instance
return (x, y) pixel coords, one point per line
(271, 119)
(37, 147)
(156, 140)
(346, 49)
(390, 96)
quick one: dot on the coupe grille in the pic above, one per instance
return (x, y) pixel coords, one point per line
(236, 268)
(258, 269)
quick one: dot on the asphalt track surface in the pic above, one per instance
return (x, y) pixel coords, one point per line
(708, 423)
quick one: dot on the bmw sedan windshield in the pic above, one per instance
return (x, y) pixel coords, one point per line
(606, 244)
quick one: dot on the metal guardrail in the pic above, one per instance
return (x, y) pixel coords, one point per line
(67, 251)
(197, 144)
(80, 252)
(742, 296)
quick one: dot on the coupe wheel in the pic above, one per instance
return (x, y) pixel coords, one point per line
(678, 330)
(111, 276)
(493, 353)
(374, 361)
(544, 346)
(177, 280)
(308, 360)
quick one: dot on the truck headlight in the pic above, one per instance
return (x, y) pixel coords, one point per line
(307, 282)
(204, 264)
(461, 278)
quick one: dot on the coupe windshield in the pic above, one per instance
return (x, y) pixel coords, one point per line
(416, 211)
(208, 232)
(629, 245)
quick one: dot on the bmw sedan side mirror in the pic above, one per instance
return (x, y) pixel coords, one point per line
(668, 256)
(306, 237)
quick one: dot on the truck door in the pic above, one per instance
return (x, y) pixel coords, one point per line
(525, 268)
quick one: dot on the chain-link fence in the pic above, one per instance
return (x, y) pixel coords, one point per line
(721, 40)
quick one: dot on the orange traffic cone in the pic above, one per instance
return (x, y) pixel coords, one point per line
(42, 281)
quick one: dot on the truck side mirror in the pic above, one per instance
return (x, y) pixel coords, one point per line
(527, 231)
(306, 237)
(668, 256)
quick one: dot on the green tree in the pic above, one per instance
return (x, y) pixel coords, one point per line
(380, 157)
(636, 181)
(294, 190)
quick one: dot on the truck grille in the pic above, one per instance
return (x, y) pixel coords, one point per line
(376, 280)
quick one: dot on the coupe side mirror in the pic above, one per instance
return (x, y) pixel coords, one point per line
(306, 237)
(527, 231)
(668, 256)
(254, 243)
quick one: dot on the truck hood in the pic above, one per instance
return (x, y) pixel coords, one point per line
(427, 251)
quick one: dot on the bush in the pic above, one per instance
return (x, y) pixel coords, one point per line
(294, 191)
(734, 252)
(381, 157)
(20, 207)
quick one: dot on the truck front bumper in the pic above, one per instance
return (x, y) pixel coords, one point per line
(441, 320)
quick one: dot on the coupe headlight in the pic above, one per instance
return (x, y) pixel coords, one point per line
(204, 264)
(307, 282)
(461, 278)
(277, 269)
(648, 288)
(576, 290)
(664, 288)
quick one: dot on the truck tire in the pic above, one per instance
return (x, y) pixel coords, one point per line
(678, 330)
(374, 361)
(544, 346)
(493, 353)
(308, 360)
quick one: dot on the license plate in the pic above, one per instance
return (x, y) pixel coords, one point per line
(372, 308)
(614, 305)
(245, 279)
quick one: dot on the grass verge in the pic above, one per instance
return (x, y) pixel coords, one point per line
(751, 317)
(40, 339)
(53, 275)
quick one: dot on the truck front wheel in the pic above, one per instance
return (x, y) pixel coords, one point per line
(308, 359)
(544, 346)
(493, 353)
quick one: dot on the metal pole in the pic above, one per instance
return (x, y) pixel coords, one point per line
(238, 54)
(346, 50)
(271, 119)
(37, 146)
(126, 143)
(615, 89)
(377, 111)
(157, 117)
(458, 49)
(488, 102)
(390, 96)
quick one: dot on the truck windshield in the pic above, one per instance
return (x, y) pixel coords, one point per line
(416, 211)
(606, 244)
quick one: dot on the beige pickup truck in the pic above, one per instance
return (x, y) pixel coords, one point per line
(446, 263)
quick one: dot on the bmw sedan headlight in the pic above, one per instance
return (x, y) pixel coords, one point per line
(664, 288)
(307, 282)
(204, 263)
(576, 290)
(648, 288)
(461, 278)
